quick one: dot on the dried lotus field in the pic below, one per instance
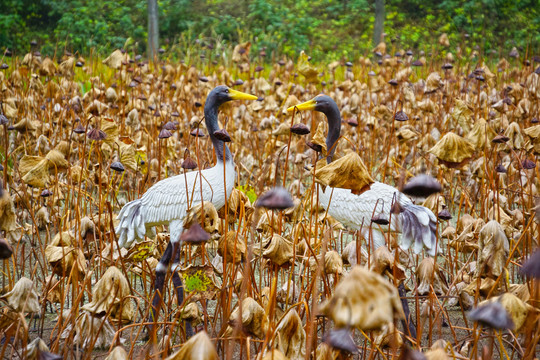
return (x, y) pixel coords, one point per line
(271, 273)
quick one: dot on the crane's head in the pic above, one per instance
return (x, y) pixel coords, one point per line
(321, 103)
(221, 94)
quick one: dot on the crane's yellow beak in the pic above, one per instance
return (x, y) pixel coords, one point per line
(308, 105)
(237, 95)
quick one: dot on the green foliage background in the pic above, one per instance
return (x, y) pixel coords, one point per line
(327, 29)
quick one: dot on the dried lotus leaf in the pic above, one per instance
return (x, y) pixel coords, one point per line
(116, 59)
(333, 264)
(516, 140)
(521, 291)
(273, 354)
(254, 320)
(462, 114)
(7, 213)
(199, 282)
(267, 223)
(232, 247)
(57, 160)
(64, 238)
(291, 336)
(429, 275)
(516, 308)
(63, 258)
(89, 330)
(211, 219)
(12, 323)
(112, 130)
(452, 149)
(407, 133)
(388, 337)
(278, 250)
(48, 68)
(25, 125)
(191, 313)
(23, 297)
(306, 69)
(199, 347)
(127, 154)
(433, 82)
(66, 67)
(320, 138)
(241, 52)
(364, 300)
(493, 250)
(481, 134)
(118, 353)
(283, 129)
(38, 350)
(110, 295)
(348, 172)
(436, 354)
(37, 176)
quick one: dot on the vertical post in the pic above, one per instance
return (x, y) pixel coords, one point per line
(379, 22)
(153, 29)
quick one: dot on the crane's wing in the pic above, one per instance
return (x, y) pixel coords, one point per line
(356, 211)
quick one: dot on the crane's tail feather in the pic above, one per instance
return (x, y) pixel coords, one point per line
(418, 225)
(131, 226)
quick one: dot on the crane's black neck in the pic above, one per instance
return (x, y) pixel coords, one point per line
(334, 128)
(211, 118)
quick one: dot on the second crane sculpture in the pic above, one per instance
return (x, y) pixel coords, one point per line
(166, 202)
(416, 223)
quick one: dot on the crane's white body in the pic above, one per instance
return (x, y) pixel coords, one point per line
(356, 211)
(168, 200)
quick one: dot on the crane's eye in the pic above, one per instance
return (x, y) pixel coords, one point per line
(226, 90)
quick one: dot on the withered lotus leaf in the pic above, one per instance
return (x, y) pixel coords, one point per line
(199, 347)
(25, 125)
(64, 258)
(254, 320)
(88, 330)
(278, 249)
(34, 171)
(241, 52)
(452, 149)
(273, 354)
(462, 113)
(428, 275)
(514, 306)
(12, 323)
(232, 246)
(291, 336)
(118, 353)
(199, 282)
(319, 138)
(433, 82)
(516, 140)
(348, 172)
(211, 218)
(306, 69)
(388, 336)
(364, 300)
(38, 350)
(333, 264)
(191, 313)
(7, 213)
(493, 250)
(481, 134)
(115, 59)
(436, 354)
(23, 297)
(110, 296)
